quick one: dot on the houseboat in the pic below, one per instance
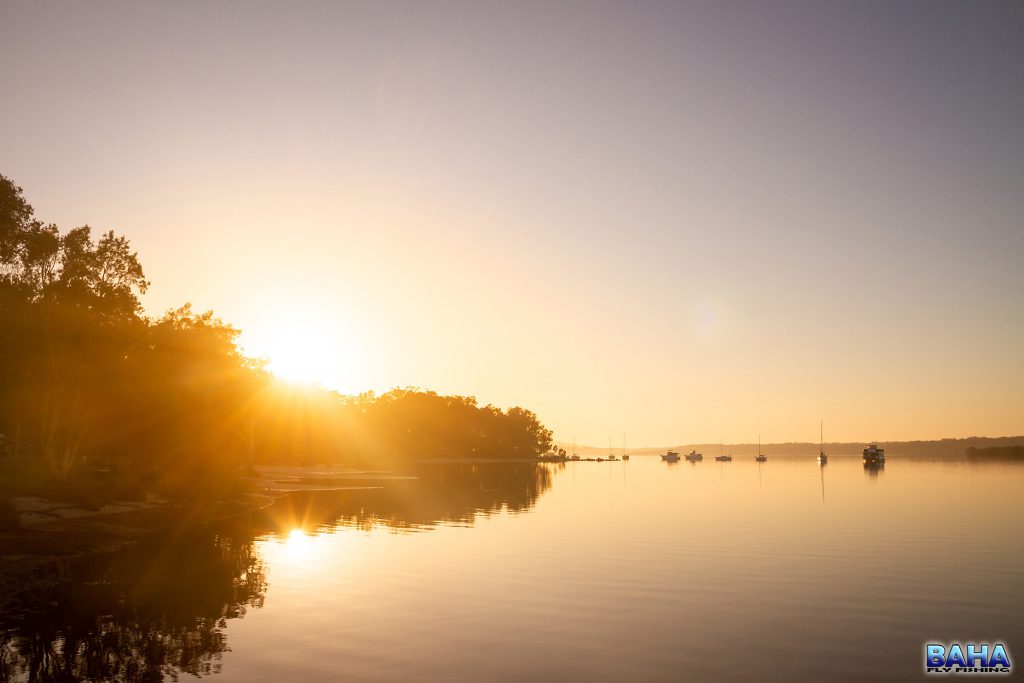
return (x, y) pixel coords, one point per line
(873, 455)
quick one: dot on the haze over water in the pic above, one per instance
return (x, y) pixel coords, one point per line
(592, 571)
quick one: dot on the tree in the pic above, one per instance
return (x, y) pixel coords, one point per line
(15, 217)
(69, 312)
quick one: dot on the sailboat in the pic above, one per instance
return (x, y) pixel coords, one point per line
(611, 456)
(822, 458)
(625, 455)
(720, 457)
(760, 457)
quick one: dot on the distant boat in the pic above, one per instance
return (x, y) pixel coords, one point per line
(822, 458)
(720, 457)
(873, 455)
(694, 456)
(760, 457)
(670, 456)
(625, 456)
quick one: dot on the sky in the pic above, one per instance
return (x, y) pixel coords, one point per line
(681, 221)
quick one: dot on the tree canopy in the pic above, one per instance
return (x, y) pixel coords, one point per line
(87, 380)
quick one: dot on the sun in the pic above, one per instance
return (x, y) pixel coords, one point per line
(304, 347)
(303, 356)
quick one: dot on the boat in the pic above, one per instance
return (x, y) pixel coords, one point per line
(625, 455)
(822, 458)
(720, 457)
(694, 456)
(873, 455)
(760, 457)
(670, 456)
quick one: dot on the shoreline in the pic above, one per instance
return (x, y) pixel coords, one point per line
(51, 531)
(27, 552)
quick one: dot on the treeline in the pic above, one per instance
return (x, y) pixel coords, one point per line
(88, 382)
(996, 453)
(298, 426)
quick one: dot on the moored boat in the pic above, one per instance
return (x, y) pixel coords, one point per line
(873, 455)
(822, 458)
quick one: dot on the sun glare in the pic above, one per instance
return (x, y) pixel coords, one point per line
(305, 348)
(302, 356)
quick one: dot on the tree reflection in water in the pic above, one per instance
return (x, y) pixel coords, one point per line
(159, 609)
(153, 610)
(452, 494)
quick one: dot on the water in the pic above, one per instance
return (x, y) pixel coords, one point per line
(602, 571)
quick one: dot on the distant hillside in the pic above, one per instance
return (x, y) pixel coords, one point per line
(996, 453)
(943, 448)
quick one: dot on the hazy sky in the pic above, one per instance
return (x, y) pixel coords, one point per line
(683, 221)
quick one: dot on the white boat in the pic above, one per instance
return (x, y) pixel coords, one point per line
(694, 456)
(670, 456)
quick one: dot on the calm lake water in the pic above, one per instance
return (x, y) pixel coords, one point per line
(592, 571)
